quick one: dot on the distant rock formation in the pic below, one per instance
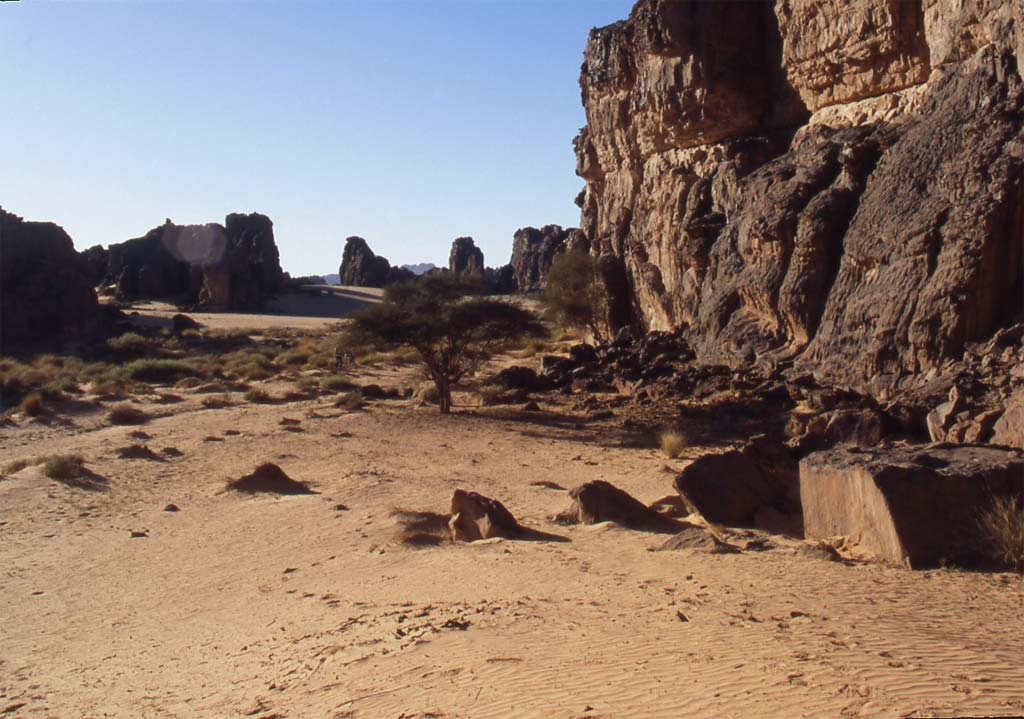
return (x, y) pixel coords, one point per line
(420, 268)
(465, 257)
(46, 287)
(532, 253)
(360, 267)
(835, 184)
(230, 266)
(332, 279)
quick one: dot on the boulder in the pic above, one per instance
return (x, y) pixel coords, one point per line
(475, 516)
(1009, 428)
(46, 288)
(700, 539)
(516, 377)
(916, 506)
(180, 323)
(600, 501)
(733, 487)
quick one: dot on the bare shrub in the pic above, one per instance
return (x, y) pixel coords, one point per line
(672, 443)
(127, 414)
(258, 395)
(32, 404)
(62, 466)
(1002, 527)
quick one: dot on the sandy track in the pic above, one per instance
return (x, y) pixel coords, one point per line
(289, 607)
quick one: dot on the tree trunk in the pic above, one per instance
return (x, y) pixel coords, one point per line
(444, 395)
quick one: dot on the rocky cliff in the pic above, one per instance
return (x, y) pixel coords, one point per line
(235, 265)
(834, 184)
(46, 288)
(533, 250)
(360, 267)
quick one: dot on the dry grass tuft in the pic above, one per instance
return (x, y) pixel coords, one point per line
(258, 395)
(672, 443)
(219, 401)
(32, 404)
(1002, 527)
(127, 414)
(63, 466)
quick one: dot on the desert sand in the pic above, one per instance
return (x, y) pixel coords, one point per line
(308, 606)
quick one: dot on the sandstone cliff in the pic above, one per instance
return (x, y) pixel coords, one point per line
(46, 288)
(360, 267)
(235, 265)
(830, 183)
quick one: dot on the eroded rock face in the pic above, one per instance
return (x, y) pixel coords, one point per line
(600, 501)
(532, 252)
(867, 242)
(46, 288)
(360, 267)
(465, 257)
(913, 506)
(231, 266)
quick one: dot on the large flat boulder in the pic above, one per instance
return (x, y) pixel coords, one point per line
(916, 506)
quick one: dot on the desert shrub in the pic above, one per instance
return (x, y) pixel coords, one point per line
(188, 383)
(451, 331)
(308, 385)
(54, 466)
(350, 400)
(217, 401)
(1002, 528)
(294, 357)
(337, 383)
(16, 466)
(133, 343)
(32, 404)
(161, 371)
(127, 414)
(258, 395)
(62, 466)
(672, 443)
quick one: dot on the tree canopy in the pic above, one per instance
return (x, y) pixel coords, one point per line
(572, 293)
(452, 330)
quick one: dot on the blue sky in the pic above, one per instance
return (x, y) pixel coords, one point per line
(408, 123)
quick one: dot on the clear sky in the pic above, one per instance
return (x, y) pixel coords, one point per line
(407, 122)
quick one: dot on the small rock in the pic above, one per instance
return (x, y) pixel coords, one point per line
(139, 534)
(172, 508)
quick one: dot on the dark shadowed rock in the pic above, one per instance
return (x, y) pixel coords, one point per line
(532, 253)
(360, 267)
(732, 488)
(516, 377)
(465, 257)
(917, 506)
(181, 322)
(46, 288)
(474, 516)
(230, 266)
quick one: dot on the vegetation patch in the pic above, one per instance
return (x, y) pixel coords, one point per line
(672, 443)
(1002, 527)
(127, 414)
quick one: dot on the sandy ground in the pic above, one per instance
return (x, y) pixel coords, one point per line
(311, 310)
(295, 607)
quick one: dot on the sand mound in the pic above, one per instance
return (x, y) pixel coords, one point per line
(270, 479)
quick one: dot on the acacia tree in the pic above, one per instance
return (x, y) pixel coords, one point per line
(572, 294)
(452, 331)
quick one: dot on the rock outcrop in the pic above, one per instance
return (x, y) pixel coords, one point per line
(231, 266)
(360, 267)
(835, 184)
(913, 506)
(533, 251)
(46, 288)
(465, 257)
(758, 485)
(600, 501)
